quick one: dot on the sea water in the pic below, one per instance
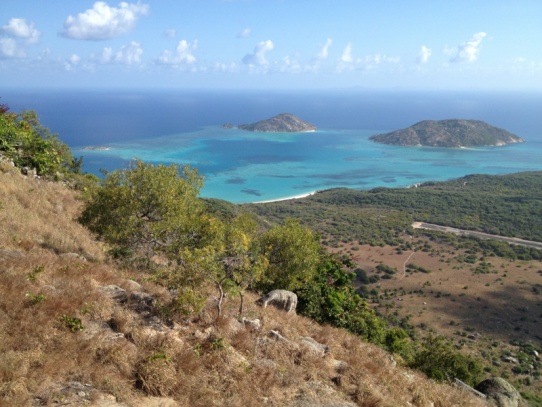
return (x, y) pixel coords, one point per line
(185, 127)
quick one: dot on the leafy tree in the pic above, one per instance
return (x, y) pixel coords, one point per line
(29, 144)
(148, 209)
(293, 252)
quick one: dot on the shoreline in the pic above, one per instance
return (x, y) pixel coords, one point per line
(286, 199)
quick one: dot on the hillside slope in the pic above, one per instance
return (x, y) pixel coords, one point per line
(77, 330)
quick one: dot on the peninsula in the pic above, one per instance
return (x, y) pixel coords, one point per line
(449, 133)
(282, 123)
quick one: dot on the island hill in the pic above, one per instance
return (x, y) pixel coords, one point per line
(449, 133)
(282, 123)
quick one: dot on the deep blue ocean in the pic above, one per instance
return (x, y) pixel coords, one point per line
(185, 126)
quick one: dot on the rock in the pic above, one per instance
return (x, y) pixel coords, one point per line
(499, 392)
(510, 359)
(76, 256)
(77, 394)
(133, 285)
(281, 299)
(465, 386)
(276, 335)
(252, 324)
(142, 303)
(314, 346)
(202, 336)
(29, 172)
(392, 361)
(114, 292)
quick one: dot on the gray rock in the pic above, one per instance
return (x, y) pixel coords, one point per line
(314, 346)
(133, 285)
(281, 299)
(252, 324)
(510, 359)
(72, 256)
(276, 335)
(114, 292)
(500, 392)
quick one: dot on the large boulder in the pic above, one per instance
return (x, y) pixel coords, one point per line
(500, 392)
(281, 299)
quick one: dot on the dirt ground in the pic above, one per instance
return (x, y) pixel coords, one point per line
(505, 303)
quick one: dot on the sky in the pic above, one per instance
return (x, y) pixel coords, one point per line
(272, 44)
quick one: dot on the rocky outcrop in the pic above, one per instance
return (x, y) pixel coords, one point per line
(282, 123)
(449, 133)
(500, 392)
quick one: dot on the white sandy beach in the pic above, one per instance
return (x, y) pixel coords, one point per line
(287, 198)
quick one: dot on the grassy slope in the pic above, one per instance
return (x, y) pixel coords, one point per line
(121, 357)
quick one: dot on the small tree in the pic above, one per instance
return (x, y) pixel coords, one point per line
(293, 253)
(147, 210)
(242, 261)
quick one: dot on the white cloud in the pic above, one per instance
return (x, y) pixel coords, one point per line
(469, 50)
(371, 62)
(18, 36)
(289, 65)
(324, 51)
(72, 61)
(423, 55)
(128, 55)
(18, 27)
(183, 54)
(171, 33)
(9, 48)
(257, 58)
(246, 33)
(102, 22)
(346, 56)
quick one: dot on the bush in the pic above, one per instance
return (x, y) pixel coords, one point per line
(438, 359)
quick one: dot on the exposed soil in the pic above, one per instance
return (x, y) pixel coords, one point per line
(484, 313)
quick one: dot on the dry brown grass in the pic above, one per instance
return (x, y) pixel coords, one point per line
(40, 214)
(198, 362)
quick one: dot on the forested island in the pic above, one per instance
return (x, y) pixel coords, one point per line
(449, 133)
(282, 123)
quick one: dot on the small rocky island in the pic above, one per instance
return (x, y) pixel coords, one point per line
(449, 133)
(282, 123)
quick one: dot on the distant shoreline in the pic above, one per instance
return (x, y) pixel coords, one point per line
(287, 198)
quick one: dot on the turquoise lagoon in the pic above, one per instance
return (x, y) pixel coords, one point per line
(185, 127)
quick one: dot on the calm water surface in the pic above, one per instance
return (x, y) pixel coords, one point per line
(185, 127)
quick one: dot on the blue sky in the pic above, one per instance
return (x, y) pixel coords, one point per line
(293, 44)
